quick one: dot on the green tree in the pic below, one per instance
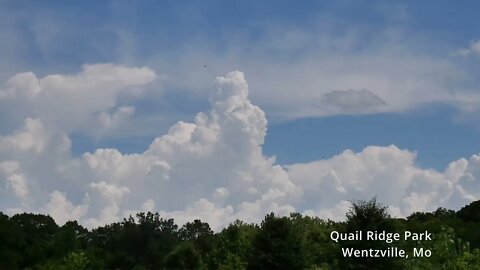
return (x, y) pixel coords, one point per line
(233, 246)
(184, 256)
(364, 216)
(466, 261)
(11, 243)
(320, 250)
(76, 261)
(36, 242)
(471, 212)
(200, 234)
(278, 245)
(70, 237)
(448, 252)
(72, 261)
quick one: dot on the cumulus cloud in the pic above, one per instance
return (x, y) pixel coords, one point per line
(108, 122)
(30, 138)
(76, 102)
(473, 49)
(383, 171)
(62, 210)
(210, 160)
(14, 179)
(388, 173)
(212, 168)
(207, 163)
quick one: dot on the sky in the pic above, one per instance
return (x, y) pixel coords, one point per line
(221, 110)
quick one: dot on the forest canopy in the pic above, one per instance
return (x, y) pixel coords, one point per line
(148, 241)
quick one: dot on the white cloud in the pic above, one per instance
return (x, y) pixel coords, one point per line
(35, 155)
(337, 212)
(110, 192)
(30, 138)
(388, 173)
(203, 210)
(14, 179)
(212, 159)
(473, 49)
(78, 102)
(212, 168)
(62, 210)
(109, 122)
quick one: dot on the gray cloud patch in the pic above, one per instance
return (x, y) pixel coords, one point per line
(350, 101)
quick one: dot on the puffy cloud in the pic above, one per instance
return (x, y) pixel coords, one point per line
(473, 49)
(62, 210)
(76, 102)
(14, 179)
(210, 160)
(108, 122)
(337, 212)
(34, 158)
(388, 173)
(212, 168)
(203, 210)
(104, 201)
(110, 192)
(31, 138)
(467, 184)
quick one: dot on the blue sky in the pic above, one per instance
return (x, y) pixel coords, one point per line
(330, 76)
(91, 31)
(432, 133)
(168, 27)
(172, 26)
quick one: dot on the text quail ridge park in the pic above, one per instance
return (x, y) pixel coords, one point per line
(387, 237)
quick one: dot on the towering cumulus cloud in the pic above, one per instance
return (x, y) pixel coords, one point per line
(212, 168)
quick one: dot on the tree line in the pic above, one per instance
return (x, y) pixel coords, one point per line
(148, 241)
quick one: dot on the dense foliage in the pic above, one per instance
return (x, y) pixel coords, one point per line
(33, 241)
